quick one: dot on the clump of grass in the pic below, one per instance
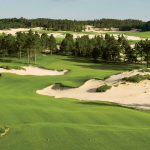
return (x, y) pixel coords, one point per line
(60, 86)
(137, 78)
(2, 130)
(103, 88)
(9, 67)
(144, 70)
(123, 82)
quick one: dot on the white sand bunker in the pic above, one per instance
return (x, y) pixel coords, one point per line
(129, 94)
(30, 70)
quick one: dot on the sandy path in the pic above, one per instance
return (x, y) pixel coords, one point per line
(30, 70)
(130, 94)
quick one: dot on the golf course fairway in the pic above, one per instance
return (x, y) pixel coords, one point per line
(39, 122)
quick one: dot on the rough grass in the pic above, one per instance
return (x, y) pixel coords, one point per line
(103, 88)
(130, 33)
(137, 78)
(145, 70)
(42, 123)
(10, 67)
(2, 130)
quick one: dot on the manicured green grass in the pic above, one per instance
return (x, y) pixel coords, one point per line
(44, 123)
(130, 33)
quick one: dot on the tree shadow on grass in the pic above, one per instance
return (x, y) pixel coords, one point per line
(78, 59)
(5, 60)
(96, 103)
(8, 60)
(89, 63)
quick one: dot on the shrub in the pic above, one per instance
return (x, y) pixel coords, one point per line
(137, 78)
(144, 70)
(103, 88)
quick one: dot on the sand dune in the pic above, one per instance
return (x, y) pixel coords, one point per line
(129, 94)
(14, 31)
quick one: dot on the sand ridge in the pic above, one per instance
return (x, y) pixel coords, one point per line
(129, 94)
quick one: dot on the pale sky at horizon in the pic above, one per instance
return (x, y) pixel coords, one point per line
(76, 9)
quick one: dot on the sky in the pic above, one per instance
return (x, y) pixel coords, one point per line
(76, 9)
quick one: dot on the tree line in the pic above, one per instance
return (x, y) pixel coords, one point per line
(49, 24)
(105, 48)
(123, 25)
(73, 25)
(26, 45)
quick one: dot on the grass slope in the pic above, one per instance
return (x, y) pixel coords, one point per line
(41, 122)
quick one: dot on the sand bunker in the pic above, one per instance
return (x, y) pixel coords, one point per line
(76, 35)
(129, 94)
(14, 31)
(30, 70)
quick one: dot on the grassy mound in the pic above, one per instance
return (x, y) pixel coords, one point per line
(103, 88)
(137, 78)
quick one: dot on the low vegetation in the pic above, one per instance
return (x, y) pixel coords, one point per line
(103, 88)
(2, 130)
(61, 86)
(137, 78)
(145, 70)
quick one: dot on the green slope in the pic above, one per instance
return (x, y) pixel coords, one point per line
(44, 123)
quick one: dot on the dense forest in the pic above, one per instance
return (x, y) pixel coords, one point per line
(108, 49)
(51, 24)
(146, 26)
(99, 48)
(26, 45)
(73, 25)
(123, 25)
